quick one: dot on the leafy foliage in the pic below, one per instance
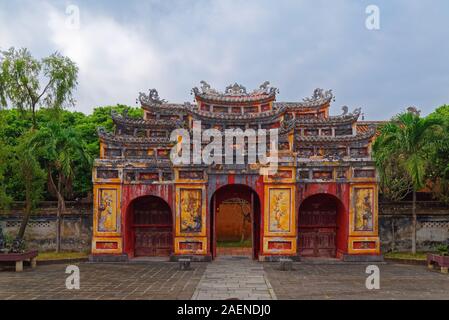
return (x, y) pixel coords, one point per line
(402, 153)
(13, 127)
(27, 83)
(439, 156)
(5, 199)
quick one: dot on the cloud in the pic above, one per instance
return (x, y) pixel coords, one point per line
(114, 61)
(126, 47)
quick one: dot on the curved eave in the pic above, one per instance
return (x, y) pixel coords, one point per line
(147, 124)
(331, 121)
(165, 108)
(261, 116)
(341, 139)
(235, 100)
(118, 139)
(305, 105)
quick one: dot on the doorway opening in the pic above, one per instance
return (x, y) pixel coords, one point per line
(318, 226)
(235, 222)
(151, 227)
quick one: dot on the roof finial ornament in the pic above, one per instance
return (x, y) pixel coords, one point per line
(357, 111)
(319, 94)
(152, 98)
(345, 110)
(125, 113)
(265, 88)
(414, 111)
(205, 89)
(235, 90)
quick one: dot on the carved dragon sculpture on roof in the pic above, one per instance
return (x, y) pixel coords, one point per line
(152, 98)
(235, 90)
(319, 94)
(414, 111)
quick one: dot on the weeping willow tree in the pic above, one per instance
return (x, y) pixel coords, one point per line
(27, 83)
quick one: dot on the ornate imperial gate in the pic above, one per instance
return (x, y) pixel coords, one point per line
(152, 227)
(147, 205)
(318, 226)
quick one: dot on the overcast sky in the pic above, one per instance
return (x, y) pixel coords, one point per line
(124, 47)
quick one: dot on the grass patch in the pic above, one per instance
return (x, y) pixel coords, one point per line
(420, 256)
(43, 256)
(235, 244)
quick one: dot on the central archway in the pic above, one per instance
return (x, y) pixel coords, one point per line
(235, 221)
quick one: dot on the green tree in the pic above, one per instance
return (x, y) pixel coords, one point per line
(27, 83)
(406, 140)
(14, 126)
(30, 176)
(60, 150)
(5, 199)
(439, 155)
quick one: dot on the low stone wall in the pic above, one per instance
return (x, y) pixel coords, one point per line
(395, 225)
(76, 226)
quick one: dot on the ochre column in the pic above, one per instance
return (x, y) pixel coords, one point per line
(363, 219)
(279, 221)
(107, 233)
(191, 213)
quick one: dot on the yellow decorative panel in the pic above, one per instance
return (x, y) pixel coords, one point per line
(101, 245)
(107, 212)
(279, 245)
(190, 176)
(190, 211)
(283, 175)
(191, 245)
(363, 218)
(280, 211)
(364, 245)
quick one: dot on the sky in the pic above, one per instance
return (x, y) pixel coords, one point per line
(126, 47)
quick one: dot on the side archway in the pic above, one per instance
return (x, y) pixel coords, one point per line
(322, 226)
(149, 230)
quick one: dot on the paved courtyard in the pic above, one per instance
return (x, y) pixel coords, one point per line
(152, 280)
(225, 278)
(234, 278)
(345, 282)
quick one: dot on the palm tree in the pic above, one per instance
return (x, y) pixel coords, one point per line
(405, 142)
(60, 149)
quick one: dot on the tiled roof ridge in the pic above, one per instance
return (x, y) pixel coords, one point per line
(103, 134)
(118, 118)
(236, 116)
(235, 93)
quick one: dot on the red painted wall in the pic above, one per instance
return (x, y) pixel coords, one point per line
(167, 193)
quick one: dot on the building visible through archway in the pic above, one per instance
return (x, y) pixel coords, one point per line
(236, 222)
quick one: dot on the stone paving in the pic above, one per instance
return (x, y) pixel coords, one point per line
(146, 281)
(224, 278)
(347, 281)
(234, 278)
